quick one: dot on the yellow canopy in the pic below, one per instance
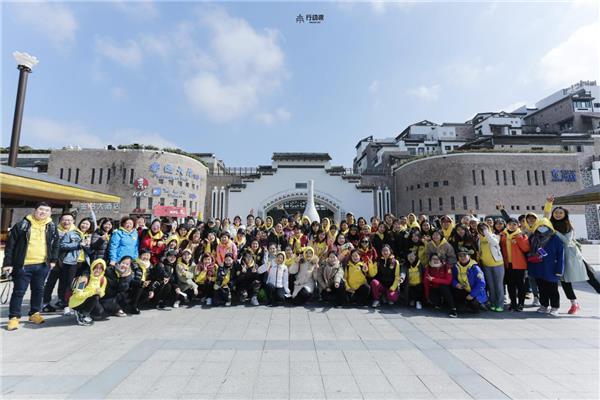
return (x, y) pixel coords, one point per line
(15, 183)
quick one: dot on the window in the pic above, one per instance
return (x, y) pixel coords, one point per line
(62, 171)
(419, 186)
(543, 177)
(413, 205)
(107, 175)
(93, 176)
(527, 207)
(187, 184)
(131, 177)
(407, 188)
(579, 149)
(476, 202)
(566, 125)
(533, 208)
(124, 175)
(77, 175)
(504, 177)
(512, 173)
(452, 202)
(162, 201)
(301, 185)
(441, 204)
(445, 183)
(150, 201)
(183, 205)
(429, 203)
(436, 184)
(138, 201)
(100, 171)
(465, 206)
(171, 182)
(497, 178)
(161, 181)
(535, 175)
(512, 207)
(518, 207)
(69, 175)
(483, 177)
(180, 183)
(528, 178)
(420, 205)
(474, 180)
(426, 184)
(175, 202)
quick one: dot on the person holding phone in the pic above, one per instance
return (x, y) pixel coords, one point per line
(85, 300)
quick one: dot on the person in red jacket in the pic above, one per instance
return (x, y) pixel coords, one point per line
(515, 246)
(437, 281)
(153, 239)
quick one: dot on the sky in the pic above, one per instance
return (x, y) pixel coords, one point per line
(245, 79)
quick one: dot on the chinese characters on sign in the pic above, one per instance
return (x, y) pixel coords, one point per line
(310, 18)
(564, 175)
(171, 173)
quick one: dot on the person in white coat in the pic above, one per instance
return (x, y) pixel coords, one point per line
(304, 285)
(575, 270)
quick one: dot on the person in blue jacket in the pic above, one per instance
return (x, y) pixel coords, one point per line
(468, 283)
(545, 263)
(123, 242)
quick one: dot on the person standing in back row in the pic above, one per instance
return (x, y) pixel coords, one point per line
(31, 251)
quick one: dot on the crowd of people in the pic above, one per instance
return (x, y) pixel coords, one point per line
(465, 266)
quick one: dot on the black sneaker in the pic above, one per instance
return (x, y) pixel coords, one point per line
(48, 309)
(135, 310)
(161, 305)
(81, 319)
(453, 314)
(519, 308)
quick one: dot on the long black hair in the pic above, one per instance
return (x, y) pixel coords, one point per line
(101, 223)
(562, 225)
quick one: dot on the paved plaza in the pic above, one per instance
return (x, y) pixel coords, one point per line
(310, 353)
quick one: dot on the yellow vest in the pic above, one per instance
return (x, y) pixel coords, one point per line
(414, 274)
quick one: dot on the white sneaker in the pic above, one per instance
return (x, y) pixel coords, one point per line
(228, 303)
(375, 304)
(536, 301)
(209, 302)
(254, 301)
(176, 304)
(418, 306)
(553, 311)
(67, 312)
(542, 310)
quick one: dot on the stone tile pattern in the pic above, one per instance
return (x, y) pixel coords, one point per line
(308, 353)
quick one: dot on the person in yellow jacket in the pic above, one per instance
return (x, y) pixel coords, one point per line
(85, 300)
(492, 263)
(357, 275)
(447, 226)
(414, 274)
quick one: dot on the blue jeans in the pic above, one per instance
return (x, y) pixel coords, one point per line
(22, 277)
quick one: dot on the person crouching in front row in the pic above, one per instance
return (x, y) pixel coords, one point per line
(330, 278)
(223, 283)
(468, 283)
(357, 274)
(387, 278)
(85, 299)
(437, 280)
(277, 279)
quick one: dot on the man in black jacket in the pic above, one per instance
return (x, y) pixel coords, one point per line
(31, 251)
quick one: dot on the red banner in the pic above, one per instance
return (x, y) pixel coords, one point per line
(169, 211)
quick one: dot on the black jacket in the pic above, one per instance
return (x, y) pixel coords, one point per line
(98, 246)
(116, 284)
(18, 239)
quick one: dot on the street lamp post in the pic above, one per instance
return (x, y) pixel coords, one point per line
(25, 62)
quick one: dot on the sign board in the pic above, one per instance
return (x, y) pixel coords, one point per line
(169, 211)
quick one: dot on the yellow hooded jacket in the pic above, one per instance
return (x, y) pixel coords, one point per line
(355, 277)
(36, 246)
(93, 283)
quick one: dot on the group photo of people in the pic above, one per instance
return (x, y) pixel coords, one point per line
(91, 270)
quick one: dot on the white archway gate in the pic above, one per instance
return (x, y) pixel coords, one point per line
(278, 199)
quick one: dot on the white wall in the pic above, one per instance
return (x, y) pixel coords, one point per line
(285, 179)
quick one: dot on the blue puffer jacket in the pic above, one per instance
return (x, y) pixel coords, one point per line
(476, 281)
(70, 246)
(123, 243)
(552, 266)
